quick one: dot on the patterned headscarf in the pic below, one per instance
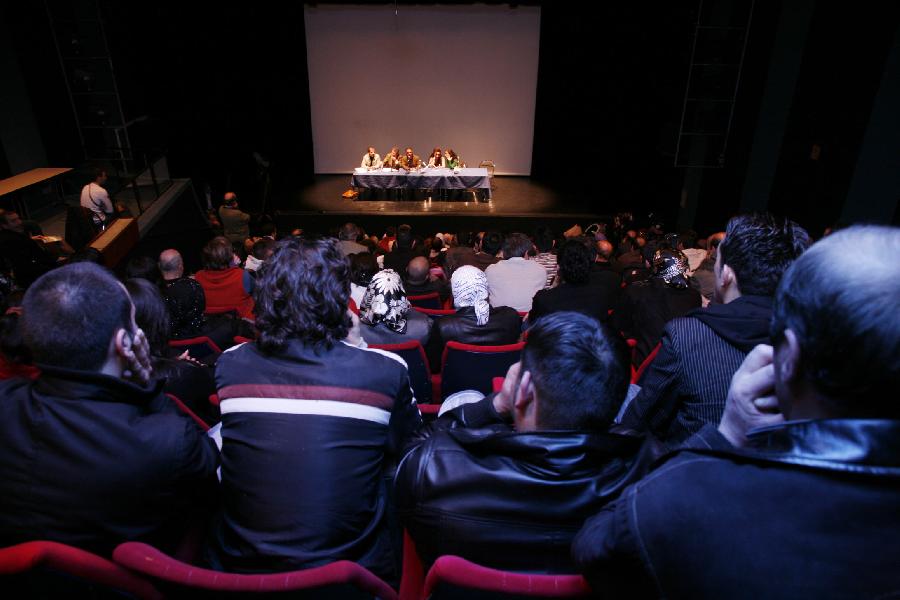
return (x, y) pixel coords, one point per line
(385, 302)
(470, 288)
(671, 266)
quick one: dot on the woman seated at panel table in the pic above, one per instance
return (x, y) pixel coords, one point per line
(452, 159)
(436, 159)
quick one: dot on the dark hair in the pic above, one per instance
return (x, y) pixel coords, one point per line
(842, 306)
(97, 173)
(267, 229)
(263, 248)
(70, 314)
(688, 238)
(348, 232)
(491, 243)
(543, 239)
(303, 294)
(759, 247)
(404, 237)
(363, 267)
(217, 254)
(150, 314)
(579, 369)
(574, 260)
(516, 245)
(142, 267)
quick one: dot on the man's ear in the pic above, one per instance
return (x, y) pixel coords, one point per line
(727, 277)
(788, 356)
(524, 394)
(124, 344)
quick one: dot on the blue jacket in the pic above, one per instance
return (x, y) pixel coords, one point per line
(812, 511)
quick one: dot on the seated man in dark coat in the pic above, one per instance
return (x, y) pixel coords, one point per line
(579, 291)
(798, 496)
(508, 480)
(646, 306)
(684, 387)
(88, 456)
(475, 321)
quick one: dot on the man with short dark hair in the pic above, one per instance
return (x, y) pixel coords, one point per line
(796, 494)
(310, 423)
(577, 291)
(349, 237)
(684, 388)
(515, 280)
(506, 481)
(95, 198)
(405, 249)
(487, 246)
(92, 453)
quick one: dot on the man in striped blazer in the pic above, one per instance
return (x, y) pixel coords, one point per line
(688, 380)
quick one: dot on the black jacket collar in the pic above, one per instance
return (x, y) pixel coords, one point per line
(74, 384)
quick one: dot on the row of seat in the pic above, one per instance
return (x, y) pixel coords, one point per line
(141, 571)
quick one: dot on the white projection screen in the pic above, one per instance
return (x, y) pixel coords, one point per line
(461, 77)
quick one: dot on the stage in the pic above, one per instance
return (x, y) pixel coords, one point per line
(515, 203)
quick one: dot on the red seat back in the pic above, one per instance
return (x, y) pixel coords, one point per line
(417, 364)
(198, 347)
(452, 576)
(636, 375)
(338, 577)
(430, 300)
(45, 558)
(184, 408)
(471, 367)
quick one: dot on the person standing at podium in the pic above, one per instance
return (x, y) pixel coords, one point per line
(95, 198)
(371, 160)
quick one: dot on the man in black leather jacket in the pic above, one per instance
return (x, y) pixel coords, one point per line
(797, 494)
(507, 481)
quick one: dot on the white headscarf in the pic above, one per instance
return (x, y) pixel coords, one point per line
(470, 288)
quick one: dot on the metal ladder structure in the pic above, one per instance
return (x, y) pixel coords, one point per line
(80, 37)
(714, 76)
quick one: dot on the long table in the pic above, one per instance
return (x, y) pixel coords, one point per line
(27, 179)
(426, 179)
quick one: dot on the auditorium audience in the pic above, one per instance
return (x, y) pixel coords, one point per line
(515, 280)
(418, 281)
(796, 495)
(404, 250)
(309, 424)
(225, 285)
(475, 320)
(91, 453)
(507, 481)
(190, 381)
(349, 236)
(576, 291)
(363, 267)
(27, 257)
(386, 315)
(684, 388)
(487, 246)
(262, 249)
(646, 306)
(545, 243)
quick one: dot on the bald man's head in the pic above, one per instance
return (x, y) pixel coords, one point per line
(836, 329)
(171, 264)
(604, 251)
(230, 198)
(712, 243)
(417, 270)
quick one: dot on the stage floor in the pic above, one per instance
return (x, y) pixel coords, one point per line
(511, 196)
